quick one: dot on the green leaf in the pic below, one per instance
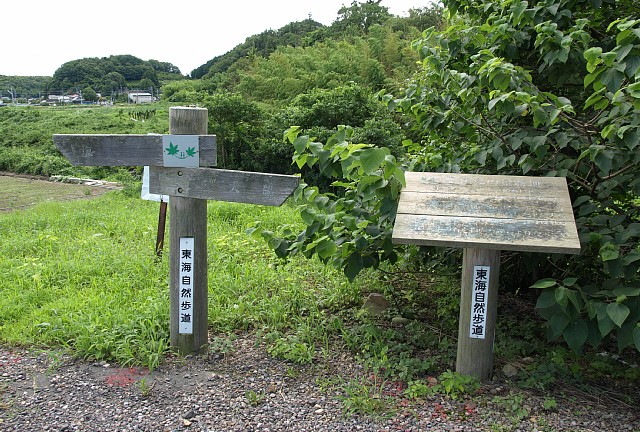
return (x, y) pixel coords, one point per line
(634, 90)
(605, 324)
(172, 150)
(501, 81)
(592, 55)
(612, 78)
(576, 334)
(636, 337)
(546, 299)
(371, 159)
(626, 291)
(544, 283)
(604, 160)
(569, 281)
(609, 252)
(300, 143)
(633, 66)
(561, 296)
(354, 266)
(618, 313)
(558, 323)
(326, 248)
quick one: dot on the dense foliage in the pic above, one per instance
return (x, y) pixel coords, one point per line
(293, 34)
(109, 75)
(23, 87)
(549, 89)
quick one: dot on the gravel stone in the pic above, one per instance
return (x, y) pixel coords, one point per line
(247, 390)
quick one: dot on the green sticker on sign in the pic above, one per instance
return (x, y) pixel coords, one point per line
(181, 151)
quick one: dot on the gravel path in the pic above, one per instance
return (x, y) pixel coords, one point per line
(247, 390)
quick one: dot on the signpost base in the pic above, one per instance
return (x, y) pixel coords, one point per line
(478, 312)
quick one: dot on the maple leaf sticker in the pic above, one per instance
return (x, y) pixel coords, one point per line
(172, 150)
(191, 151)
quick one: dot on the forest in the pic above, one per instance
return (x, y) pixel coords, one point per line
(549, 88)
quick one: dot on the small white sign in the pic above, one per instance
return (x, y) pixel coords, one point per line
(185, 285)
(145, 194)
(479, 302)
(181, 151)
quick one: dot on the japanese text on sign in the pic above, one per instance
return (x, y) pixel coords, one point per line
(479, 301)
(185, 285)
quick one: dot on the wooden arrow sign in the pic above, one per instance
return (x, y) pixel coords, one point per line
(125, 150)
(222, 185)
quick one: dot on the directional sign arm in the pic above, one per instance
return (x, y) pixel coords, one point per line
(222, 185)
(124, 150)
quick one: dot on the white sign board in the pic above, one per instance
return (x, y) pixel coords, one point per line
(185, 285)
(181, 151)
(479, 302)
(145, 194)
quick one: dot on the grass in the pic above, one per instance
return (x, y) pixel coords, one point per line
(82, 275)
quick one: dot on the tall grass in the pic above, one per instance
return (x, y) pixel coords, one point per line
(83, 275)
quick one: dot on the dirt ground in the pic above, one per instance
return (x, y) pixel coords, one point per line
(19, 191)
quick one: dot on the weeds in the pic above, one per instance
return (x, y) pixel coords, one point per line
(254, 398)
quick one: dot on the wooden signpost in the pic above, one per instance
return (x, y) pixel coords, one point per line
(484, 215)
(178, 167)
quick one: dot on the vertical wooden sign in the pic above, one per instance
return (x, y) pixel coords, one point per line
(178, 169)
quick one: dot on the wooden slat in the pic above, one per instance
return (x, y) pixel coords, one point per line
(222, 185)
(514, 207)
(487, 233)
(481, 211)
(124, 150)
(485, 185)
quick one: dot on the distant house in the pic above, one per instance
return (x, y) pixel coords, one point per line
(140, 97)
(55, 99)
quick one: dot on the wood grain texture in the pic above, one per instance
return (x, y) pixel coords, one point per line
(494, 212)
(125, 150)
(188, 218)
(222, 185)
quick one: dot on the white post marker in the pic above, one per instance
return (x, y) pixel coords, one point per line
(479, 300)
(186, 285)
(145, 194)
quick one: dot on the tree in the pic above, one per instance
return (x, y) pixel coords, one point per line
(89, 94)
(355, 20)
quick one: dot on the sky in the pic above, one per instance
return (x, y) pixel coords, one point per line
(40, 35)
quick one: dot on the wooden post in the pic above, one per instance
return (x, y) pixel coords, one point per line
(478, 312)
(178, 167)
(188, 218)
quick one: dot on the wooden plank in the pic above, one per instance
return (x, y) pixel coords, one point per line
(526, 235)
(512, 207)
(222, 185)
(485, 185)
(124, 150)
